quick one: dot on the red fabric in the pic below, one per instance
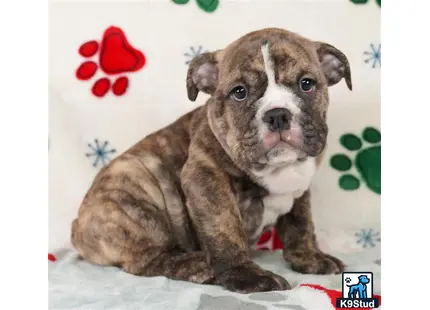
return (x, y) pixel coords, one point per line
(333, 295)
(269, 241)
(277, 243)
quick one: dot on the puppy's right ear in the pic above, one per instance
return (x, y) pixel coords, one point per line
(203, 74)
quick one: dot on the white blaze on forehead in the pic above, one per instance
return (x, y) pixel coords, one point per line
(268, 65)
(276, 95)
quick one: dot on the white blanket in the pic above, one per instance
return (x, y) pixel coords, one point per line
(77, 284)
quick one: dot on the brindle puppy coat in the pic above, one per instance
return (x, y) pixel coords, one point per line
(187, 201)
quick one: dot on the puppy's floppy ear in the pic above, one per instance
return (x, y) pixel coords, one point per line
(203, 74)
(334, 64)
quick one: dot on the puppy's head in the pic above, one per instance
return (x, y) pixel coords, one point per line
(269, 95)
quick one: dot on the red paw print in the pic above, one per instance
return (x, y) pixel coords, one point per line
(115, 57)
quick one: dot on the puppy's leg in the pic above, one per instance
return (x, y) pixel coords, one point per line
(109, 236)
(178, 265)
(300, 247)
(215, 214)
(249, 277)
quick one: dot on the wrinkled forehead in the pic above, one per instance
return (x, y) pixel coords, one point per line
(290, 55)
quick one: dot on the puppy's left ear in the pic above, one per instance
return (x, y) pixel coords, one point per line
(334, 64)
(203, 74)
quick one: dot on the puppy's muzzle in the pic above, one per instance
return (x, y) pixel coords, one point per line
(278, 119)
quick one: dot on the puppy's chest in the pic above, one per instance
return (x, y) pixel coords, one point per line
(283, 186)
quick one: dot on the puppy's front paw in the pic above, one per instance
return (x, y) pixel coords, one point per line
(317, 263)
(249, 279)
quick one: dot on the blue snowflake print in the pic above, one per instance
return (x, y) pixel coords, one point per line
(194, 52)
(374, 55)
(100, 152)
(368, 238)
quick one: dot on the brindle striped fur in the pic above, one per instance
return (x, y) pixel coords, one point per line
(179, 204)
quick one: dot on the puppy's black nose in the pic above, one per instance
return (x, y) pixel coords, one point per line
(278, 119)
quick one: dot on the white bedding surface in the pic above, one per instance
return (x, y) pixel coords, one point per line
(78, 284)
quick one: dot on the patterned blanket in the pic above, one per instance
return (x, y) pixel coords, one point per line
(77, 284)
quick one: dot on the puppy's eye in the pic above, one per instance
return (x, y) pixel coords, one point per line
(307, 85)
(239, 93)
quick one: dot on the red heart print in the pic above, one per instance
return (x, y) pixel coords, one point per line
(117, 55)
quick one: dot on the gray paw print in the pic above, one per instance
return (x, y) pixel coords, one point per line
(267, 296)
(208, 302)
(290, 307)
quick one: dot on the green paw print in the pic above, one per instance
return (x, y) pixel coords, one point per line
(206, 5)
(365, 1)
(367, 160)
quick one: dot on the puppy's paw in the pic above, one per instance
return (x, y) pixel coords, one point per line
(249, 279)
(317, 263)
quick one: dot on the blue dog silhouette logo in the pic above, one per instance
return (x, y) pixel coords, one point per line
(357, 291)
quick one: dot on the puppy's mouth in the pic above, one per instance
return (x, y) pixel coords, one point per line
(282, 148)
(282, 139)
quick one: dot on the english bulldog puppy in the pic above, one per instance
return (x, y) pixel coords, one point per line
(188, 201)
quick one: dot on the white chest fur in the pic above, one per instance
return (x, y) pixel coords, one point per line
(284, 185)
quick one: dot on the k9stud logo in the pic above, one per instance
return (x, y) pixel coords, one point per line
(357, 291)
